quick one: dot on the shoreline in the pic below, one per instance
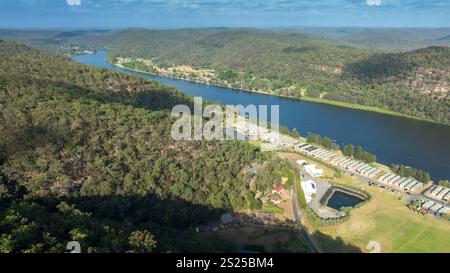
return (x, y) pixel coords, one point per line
(342, 104)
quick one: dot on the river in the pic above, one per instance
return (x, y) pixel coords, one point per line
(393, 139)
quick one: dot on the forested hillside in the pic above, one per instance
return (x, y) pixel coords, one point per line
(86, 155)
(415, 83)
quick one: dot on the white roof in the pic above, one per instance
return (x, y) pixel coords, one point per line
(272, 135)
(288, 139)
(444, 210)
(301, 162)
(309, 188)
(428, 204)
(436, 207)
(311, 169)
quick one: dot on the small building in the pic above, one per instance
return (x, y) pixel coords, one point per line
(416, 186)
(410, 185)
(312, 170)
(226, 218)
(444, 210)
(442, 193)
(301, 162)
(277, 189)
(309, 189)
(447, 197)
(435, 208)
(428, 204)
(436, 190)
(275, 199)
(287, 141)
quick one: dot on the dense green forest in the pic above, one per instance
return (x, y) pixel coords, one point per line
(86, 155)
(334, 64)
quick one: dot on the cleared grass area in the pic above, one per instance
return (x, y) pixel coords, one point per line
(300, 195)
(272, 208)
(363, 108)
(291, 176)
(387, 220)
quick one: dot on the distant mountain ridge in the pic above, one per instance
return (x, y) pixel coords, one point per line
(445, 38)
(396, 39)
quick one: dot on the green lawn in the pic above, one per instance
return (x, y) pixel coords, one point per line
(363, 108)
(271, 208)
(300, 194)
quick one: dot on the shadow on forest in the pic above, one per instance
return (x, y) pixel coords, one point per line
(378, 67)
(157, 97)
(110, 220)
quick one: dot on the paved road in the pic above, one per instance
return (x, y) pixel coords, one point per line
(298, 214)
(365, 180)
(321, 189)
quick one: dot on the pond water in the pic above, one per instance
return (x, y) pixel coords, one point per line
(340, 199)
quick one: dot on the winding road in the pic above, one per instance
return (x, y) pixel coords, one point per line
(298, 215)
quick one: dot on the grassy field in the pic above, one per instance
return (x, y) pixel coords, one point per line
(362, 108)
(387, 220)
(272, 208)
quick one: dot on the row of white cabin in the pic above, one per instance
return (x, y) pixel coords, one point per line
(316, 152)
(356, 166)
(405, 183)
(440, 192)
(254, 131)
(434, 207)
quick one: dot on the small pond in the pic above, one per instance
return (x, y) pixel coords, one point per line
(340, 199)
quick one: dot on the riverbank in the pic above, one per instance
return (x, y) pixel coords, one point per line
(348, 105)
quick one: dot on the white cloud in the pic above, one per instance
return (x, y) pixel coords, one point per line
(373, 2)
(73, 2)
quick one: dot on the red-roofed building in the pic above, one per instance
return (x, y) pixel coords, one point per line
(275, 199)
(277, 189)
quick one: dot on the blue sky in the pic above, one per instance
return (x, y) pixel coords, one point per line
(226, 13)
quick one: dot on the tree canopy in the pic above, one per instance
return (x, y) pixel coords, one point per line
(86, 155)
